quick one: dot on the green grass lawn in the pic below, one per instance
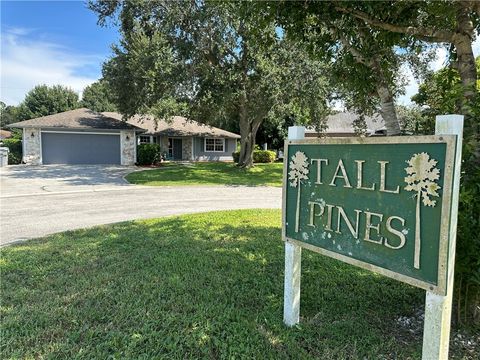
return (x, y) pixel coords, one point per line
(198, 286)
(209, 173)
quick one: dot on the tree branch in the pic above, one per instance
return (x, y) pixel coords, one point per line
(355, 52)
(426, 34)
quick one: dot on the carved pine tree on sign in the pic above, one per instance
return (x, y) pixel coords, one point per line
(421, 179)
(298, 172)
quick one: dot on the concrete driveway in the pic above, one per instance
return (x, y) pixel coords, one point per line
(41, 200)
(23, 180)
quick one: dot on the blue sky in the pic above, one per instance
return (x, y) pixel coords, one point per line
(59, 42)
(50, 42)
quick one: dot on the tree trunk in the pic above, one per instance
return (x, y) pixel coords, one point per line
(247, 144)
(467, 71)
(387, 110)
(387, 103)
(248, 132)
(462, 40)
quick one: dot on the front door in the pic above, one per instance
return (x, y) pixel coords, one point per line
(177, 149)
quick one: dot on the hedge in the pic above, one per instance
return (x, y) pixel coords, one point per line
(148, 154)
(259, 156)
(264, 156)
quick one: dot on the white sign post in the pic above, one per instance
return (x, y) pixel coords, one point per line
(293, 260)
(438, 308)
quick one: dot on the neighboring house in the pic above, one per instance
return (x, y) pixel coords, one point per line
(183, 139)
(342, 125)
(83, 136)
(79, 136)
(5, 134)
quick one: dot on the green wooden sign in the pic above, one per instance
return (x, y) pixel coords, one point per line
(378, 203)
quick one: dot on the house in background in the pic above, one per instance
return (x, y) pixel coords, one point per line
(184, 139)
(342, 125)
(83, 136)
(5, 134)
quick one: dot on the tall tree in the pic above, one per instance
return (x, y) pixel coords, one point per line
(98, 97)
(211, 61)
(365, 60)
(45, 100)
(452, 22)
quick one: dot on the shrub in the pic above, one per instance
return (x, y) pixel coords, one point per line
(236, 156)
(259, 156)
(15, 147)
(264, 156)
(148, 154)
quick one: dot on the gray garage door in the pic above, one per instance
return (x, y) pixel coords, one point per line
(63, 148)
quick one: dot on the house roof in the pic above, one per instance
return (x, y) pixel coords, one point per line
(179, 126)
(5, 134)
(342, 123)
(77, 119)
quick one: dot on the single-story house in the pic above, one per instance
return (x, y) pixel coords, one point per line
(184, 139)
(83, 136)
(342, 125)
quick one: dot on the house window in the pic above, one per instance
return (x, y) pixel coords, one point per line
(144, 139)
(214, 145)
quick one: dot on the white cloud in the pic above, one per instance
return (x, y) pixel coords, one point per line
(26, 62)
(412, 85)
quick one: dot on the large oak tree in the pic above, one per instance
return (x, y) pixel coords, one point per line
(211, 61)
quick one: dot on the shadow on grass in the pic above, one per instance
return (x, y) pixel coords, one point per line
(200, 286)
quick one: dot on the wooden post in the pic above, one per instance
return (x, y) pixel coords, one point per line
(438, 308)
(293, 261)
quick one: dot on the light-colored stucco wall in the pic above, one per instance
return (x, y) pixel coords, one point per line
(201, 155)
(32, 146)
(128, 153)
(193, 149)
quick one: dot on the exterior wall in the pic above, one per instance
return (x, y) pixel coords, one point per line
(196, 144)
(163, 141)
(201, 155)
(187, 148)
(128, 147)
(32, 146)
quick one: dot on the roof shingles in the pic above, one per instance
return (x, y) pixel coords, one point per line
(178, 126)
(86, 119)
(83, 118)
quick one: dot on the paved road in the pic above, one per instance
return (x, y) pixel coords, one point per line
(38, 210)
